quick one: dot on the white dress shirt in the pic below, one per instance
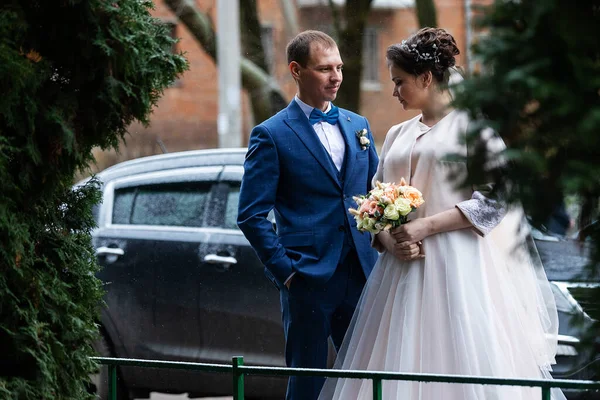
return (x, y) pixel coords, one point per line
(330, 135)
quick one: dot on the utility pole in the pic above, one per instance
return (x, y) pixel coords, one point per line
(229, 120)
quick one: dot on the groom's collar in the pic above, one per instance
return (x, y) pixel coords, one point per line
(306, 109)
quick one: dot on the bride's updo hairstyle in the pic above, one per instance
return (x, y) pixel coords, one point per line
(430, 49)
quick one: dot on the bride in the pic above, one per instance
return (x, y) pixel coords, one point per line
(472, 301)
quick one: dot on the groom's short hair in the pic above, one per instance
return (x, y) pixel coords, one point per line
(298, 49)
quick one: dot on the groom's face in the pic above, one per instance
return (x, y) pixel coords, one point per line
(319, 81)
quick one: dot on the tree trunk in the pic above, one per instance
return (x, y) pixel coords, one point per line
(252, 46)
(350, 42)
(265, 95)
(289, 15)
(426, 13)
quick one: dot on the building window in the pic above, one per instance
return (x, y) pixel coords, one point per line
(370, 74)
(266, 37)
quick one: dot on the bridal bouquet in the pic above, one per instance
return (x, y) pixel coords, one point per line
(386, 206)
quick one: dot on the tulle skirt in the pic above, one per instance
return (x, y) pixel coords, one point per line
(467, 308)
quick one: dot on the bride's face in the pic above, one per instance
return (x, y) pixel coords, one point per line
(410, 90)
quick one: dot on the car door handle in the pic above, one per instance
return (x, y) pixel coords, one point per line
(113, 251)
(215, 259)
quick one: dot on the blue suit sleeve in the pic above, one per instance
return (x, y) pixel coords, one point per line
(257, 199)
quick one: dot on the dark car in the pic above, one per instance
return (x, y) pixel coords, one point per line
(575, 291)
(182, 282)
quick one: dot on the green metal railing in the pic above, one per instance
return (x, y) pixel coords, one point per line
(239, 370)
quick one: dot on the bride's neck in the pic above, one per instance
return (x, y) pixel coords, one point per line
(439, 106)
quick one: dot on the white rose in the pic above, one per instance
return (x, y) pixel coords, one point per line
(376, 194)
(364, 140)
(402, 205)
(367, 224)
(391, 213)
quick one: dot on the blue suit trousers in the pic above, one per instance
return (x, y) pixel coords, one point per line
(312, 313)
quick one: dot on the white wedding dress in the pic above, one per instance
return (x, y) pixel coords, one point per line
(477, 304)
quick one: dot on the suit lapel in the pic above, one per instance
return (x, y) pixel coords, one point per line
(345, 124)
(299, 124)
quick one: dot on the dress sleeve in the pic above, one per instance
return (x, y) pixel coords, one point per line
(483, 212)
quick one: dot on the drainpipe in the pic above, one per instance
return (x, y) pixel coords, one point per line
(229, 124)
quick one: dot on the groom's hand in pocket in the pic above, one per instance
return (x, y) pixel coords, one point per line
(289, 282)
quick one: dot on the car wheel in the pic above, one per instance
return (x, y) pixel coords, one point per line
(99, 381)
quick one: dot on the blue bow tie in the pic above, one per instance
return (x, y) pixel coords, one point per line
(330, 117)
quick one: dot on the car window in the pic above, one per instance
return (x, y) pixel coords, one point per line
(231, 207)
(172, 204)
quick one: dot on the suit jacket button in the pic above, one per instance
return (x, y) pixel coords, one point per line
(341, 228)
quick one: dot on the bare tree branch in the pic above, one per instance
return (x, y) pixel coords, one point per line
(199, 24)
(252, 45)
(350, 42)
(265, 94)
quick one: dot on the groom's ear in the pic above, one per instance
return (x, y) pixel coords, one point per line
(295, 70)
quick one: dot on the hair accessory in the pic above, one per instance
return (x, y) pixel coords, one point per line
(433, 54)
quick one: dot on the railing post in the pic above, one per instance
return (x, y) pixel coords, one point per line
(112, 382)
(377, 390)
(546, 393)
(238, 378)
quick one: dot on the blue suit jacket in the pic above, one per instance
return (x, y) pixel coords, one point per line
(288, 170)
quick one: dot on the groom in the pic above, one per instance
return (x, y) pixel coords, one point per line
(306, 163)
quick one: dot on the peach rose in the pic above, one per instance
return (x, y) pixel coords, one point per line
(391, 193)
(364, 206)
(373, 207)
(414, 196)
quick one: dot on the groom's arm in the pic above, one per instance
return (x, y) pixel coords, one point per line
(257, 199)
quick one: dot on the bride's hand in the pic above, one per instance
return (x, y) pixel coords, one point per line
(402, 251)
(412, 232)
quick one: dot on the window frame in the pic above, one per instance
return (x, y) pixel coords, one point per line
(267, 38)
(370, 60)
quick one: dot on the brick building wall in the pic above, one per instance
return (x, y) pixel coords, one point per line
(377, 103)
(185, 118)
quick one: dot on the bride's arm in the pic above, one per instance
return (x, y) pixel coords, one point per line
(480, 213)
(417, 230)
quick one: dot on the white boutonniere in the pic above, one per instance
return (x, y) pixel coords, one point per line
(364, 141)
